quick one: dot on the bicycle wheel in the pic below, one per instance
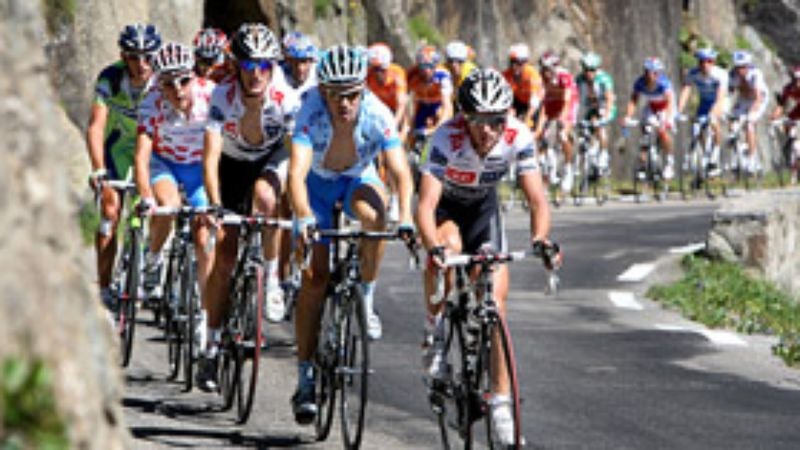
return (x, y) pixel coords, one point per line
(447, 397)
(580, 182)
(172, 332)
(325, 361)
(227, 374)
(637, 184)
(249, 347)
(503, 355)
(189, 300)
(353, 370)
(127, 308)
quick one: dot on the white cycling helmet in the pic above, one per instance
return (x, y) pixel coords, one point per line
(255, 41)
(485, 91)
(519, 52)
(380, 55)
(457, 51)
(342, 65)
(173, 58)
(742, 58)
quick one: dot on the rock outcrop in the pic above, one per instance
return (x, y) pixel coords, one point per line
(48, 311)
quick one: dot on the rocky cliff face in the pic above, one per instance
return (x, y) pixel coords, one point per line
(48, 311)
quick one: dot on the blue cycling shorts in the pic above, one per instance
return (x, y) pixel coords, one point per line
(189, 176)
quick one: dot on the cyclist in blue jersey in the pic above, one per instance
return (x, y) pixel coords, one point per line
(340, 130)
(656, 88)
(711, 82)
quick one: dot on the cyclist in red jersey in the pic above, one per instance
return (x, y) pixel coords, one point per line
(790, 96)
(560, 103)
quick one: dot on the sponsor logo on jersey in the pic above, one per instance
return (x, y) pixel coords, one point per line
(437, 157)
(525, 153)
(461, 176)
(510, 135)
(491, 177)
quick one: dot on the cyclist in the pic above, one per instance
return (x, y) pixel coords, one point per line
(790, 97)
(210, 55)
(597, 100)
(526, 83)
(458, 209)
(656, 88)
(431, 87)
(560, 103)
(752, 96)
(458, 62)
(169, 149)
(388, 82)
(254, 113)
(301, 53)
(111, 134)
(711, 82)
(340, 129)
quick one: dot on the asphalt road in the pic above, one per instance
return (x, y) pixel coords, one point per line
(601, 367)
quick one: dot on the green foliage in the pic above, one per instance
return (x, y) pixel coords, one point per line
(58, 13)
(720, 294)
(322, 8)
(28, 408)
(742, 43)
(422, 30)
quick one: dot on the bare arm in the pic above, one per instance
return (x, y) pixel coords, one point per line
(95, 135)
(212, 150)
(531, 184)
(299, 165)
(397, 164)
(716, 109)
(631, 108)
(430, 191)
(141, 164)
(686, 91)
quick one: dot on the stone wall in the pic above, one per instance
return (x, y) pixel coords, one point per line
(761, 232)
(48, 310)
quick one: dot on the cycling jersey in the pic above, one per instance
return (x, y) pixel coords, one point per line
(527, 88)
(593, 93)
(656, 97)
(394, 84)
(277, 118)
(749, 85)
(791, 92)
(299, 88)
(554, 91)
(466, 68)
(375, 131)
(429, 95)
(466, 176)
(113, 90)
(177, 138)
(707, 86)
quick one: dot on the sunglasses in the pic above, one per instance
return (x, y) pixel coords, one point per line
(493, 120)
(350, 94)
(136, 57)
(250, 65)
(426, 66)
(175, 83)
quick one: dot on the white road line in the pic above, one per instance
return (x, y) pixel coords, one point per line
(669, 327)
(636, 272)
(689, 248)
(624, 300)
(723, 338)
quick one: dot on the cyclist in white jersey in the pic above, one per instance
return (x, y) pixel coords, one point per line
(458, 210)
(301, 54)
(341, 129)
(711, 82)
(252, 114)
(169, 151)
(752, 96)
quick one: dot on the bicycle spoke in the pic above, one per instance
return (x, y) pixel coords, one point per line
(353, 371)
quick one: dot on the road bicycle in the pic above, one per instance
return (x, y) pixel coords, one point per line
(462, 394)
(650, 171)
(342, 357)
(734, 158)
(700, 168)
(786, 151)
(590, 174)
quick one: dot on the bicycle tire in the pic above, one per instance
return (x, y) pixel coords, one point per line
(580, 182)
(228, 376)
(507, 356)
(325, 360)
(353, 371)
(249, 347)
(127, 308)
(447, 397)
(189, 301)
(637, 185)
(172, 332)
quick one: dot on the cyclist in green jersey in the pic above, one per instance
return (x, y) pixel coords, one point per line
(597, 100)
(111, 135)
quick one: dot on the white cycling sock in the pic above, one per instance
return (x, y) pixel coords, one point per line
(271, 272)
(368, 288)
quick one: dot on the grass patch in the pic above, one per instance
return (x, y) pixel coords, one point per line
(422, 30)
(721, 295)
(28, 407)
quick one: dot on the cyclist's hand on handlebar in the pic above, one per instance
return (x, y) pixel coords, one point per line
(212, 217)
(550, 252)
(406, 231)
(146, 206)
(97, 178)
(436, 257)
(303, 228)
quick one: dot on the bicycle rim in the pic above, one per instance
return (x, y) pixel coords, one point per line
(507, 358)
(446, 396)
(228, 376)
(250, 348)
(172, 332)
(325, 361)
(353, 371)
(189, 302)
(128, 304)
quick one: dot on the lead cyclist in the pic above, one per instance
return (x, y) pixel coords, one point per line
(458, 209)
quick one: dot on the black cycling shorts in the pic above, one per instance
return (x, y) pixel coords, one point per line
(479, 222)
(237, 178)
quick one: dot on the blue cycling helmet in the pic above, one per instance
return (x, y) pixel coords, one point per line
(299, 46)
(742, 58)
(139, 38)
(705, 54)
(653, 64)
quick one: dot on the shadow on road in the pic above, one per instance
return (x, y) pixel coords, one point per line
(156, 435)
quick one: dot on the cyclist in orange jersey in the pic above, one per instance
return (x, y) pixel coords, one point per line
(431, 87)
(526, 83)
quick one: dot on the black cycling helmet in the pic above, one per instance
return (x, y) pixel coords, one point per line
(139, 38)
(255, 41)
